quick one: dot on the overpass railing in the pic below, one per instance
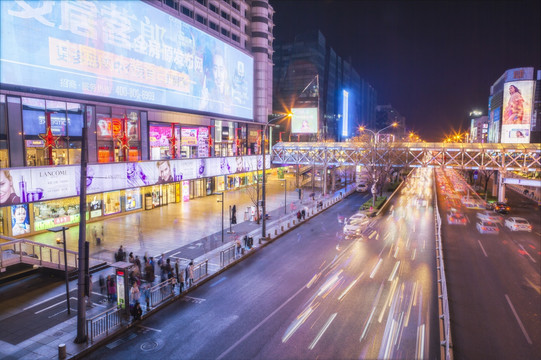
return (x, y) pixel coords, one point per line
(34, 253)
(478, 156)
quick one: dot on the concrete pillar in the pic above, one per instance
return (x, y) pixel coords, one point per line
(495, 184)
(333, 180)
(501, 187)
(297, 171)
(324, 180)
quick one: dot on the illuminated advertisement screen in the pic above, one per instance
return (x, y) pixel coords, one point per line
(304, 121)
(125, 50)
(24, 185)
(517, 110)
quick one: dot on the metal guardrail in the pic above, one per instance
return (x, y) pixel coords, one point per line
(443, 299)
(34, 253)
(227, 256)
(102, 323)
(161, 292)
(200, 270)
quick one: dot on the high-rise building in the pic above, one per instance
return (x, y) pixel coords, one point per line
(174, 95)
(309, 74)
(387, 115)
(513, 108)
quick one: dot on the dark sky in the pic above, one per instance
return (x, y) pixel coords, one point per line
(434, 61)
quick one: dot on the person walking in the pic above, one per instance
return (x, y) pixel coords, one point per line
(303, 214)
(180, 276)
(135, 294)
(149, 273)
(111, 286)
(190, 274)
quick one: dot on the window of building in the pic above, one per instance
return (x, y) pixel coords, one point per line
(4, 155)
(160, 135)
(202, 2)
(225, 15)
(213, 8)
(235, 21)
(172, 3)
(113, 146)
(235, 37)
(235, 6)
(226, 1)
(187, 12)
(214, 26)
(225, 32)
(200, 19)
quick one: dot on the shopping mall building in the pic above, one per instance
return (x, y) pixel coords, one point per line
(173, 95)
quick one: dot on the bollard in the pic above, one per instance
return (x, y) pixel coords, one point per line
(61, 351)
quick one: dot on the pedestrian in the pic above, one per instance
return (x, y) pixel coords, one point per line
(137, 261)
(103, 286)
(111, 288)
(131, 259)
(299, 215)
(149, 273)
(238, 247)
(135, 294)
(137, 312)
(146, 293)
(303, 214)
(180, 276)
(190, 274)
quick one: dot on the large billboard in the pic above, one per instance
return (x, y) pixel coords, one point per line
(31, 184)
(517, 110)
(304, 121)
(125, 50)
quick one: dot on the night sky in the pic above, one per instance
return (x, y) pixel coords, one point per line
(434, 61)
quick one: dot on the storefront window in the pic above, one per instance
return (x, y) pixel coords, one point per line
(111, 202)
(133, 199)
(4, 154)
(95, 205)
(56, 213)
(159, 141)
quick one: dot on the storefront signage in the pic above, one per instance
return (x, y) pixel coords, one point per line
(47, 183)
(185, 191)
(124, 50)
(188, 136)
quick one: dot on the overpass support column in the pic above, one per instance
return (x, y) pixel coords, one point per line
(324, 188)
(495, 184)
(298, 170)
(333, 180)
(501, 186)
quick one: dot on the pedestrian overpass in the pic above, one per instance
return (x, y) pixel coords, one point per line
(503, 158)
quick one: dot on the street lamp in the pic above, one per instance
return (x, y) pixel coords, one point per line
(263, 191)
(375, 134)
(222, 201)
(63, 229)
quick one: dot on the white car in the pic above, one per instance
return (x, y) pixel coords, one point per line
(359, 216)
(361, 188)
(487, 227)
(490, 216)
(354, 226)
(518, 224)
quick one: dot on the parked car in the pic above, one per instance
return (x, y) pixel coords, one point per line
(490, 216)
(502, 208)
(456, 218)
(487, 227)
(518, 224)
(361, 188)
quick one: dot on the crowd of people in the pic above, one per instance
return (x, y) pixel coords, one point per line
(145, 273)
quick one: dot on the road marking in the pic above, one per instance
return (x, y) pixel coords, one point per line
(148, 328)
(192, 299)
(531, 258)
(322, 331)
(52, 306)
(375, 270)
(518, 320)
(219, 281)
(41, 302)
(482, 248)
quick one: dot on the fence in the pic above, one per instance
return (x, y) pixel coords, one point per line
(161, 292)
(33, 253)
(200, 270)
(445, 326)
(102, 323)
(227, 256)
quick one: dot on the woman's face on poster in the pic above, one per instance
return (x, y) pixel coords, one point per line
(20, 215)
(5, 187)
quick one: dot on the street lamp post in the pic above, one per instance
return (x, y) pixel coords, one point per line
(222, 201)
(263, 190)
(63, 229)
(375, 134)
(285, 195)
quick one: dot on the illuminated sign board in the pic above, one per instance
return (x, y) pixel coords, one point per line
(32, 184)
(345, 115)
(125, 50)
(304, 121)
(517, 110)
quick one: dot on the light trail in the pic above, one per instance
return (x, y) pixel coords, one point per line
(375, 270)
(395, 269)
(322, 331)
(344, 293)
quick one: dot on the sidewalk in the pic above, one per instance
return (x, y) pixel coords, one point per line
(39, 338)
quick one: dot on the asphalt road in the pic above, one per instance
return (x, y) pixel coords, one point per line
(311, 294)
(494, 286)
